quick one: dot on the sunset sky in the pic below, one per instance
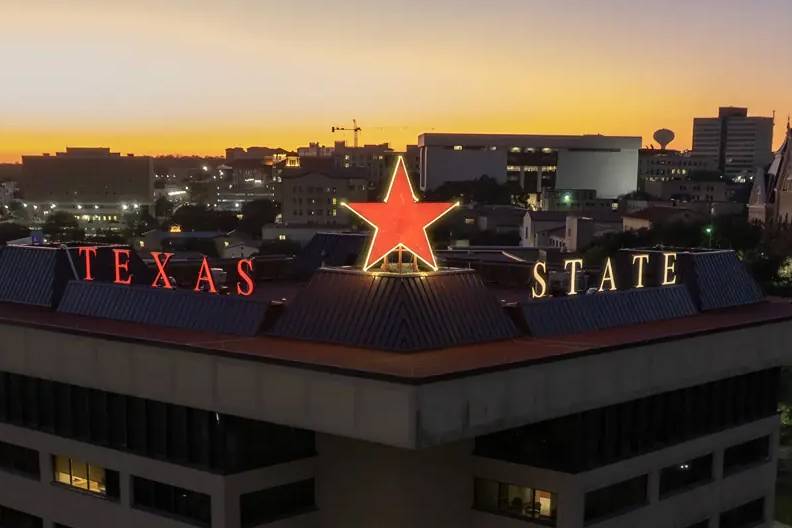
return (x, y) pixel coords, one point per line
(154, 77)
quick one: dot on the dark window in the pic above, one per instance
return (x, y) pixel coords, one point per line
(271, 504)
(685, 474)
(700, 524)
(216, 442)
(591, 439)
(615, 499)
(746, 454)
(16, 519)
(743, 516)
(172, 501)
(516, 501)
(19, 460)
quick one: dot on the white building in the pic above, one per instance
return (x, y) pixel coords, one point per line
(607, 164)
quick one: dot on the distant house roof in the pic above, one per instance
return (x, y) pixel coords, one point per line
(658, 214)
(333, 173)
(560, 216)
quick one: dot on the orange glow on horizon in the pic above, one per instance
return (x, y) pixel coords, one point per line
(154, 78)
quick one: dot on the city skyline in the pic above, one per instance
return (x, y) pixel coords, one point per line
(195, 78)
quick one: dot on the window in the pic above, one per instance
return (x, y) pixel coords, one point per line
(615, 499)
(737, 457)
(685, 474)
(591, 439)
(17, 519)
(89, 477)
(743, 516)
(20, 460)
(515, 501)
(270, 504)
(172, 501)
(174, 433)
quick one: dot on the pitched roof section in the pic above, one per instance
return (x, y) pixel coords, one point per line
(33, 275)
(329, 249)
(720, 280)
(226, 314)
(401, 313)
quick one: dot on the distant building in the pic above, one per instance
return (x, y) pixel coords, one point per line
(8, 191)
(771, 195)
(574, 200)
(693, 191)
(608, 164)
(551, 229)
(736, 143)
(96, 185)
(655, 215)
(665, 165)
(313, 197)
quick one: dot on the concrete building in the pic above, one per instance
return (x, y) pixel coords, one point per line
(653, 407)
(313, 197)
(607, 164)
(666, 165)
(95, 185)
(737, 143)
(8, 191)
(693, 191)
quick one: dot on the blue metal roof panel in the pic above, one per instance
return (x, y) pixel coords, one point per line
(583, 313)
(721, 280)
(33, 275)
(228, 314)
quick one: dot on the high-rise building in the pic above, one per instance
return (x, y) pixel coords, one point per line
(391, 400)
(606, 164)
(738, 144)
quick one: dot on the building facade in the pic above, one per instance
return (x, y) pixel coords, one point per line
(736, 142)
(771, 194)
(663, 414)
(314, 197)
(95, 185)
(667, 165)
(607, 164)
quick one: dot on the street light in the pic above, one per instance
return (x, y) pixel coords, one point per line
(708, 231)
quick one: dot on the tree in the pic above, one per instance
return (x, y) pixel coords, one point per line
(256, 214)
(138, 222)
(12, 231)
(63, 226)
(163, 207)
(484, 190)
(199, 218)
(18, 210)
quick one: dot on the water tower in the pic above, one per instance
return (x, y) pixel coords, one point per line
(663, 137)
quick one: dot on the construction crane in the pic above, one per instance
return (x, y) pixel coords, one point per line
(355, 128)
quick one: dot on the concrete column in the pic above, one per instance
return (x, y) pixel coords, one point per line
(46, 476)
(571, 506)
(653, 487)
(717, 461)
(125, 489)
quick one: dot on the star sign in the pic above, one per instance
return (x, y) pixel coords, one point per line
(400, 221)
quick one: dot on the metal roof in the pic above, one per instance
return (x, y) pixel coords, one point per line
(227, 314)
(721, 280)
(583, 313)
(33, 275)
(394, 312)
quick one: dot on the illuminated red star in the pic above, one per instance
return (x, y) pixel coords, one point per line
(400, 220)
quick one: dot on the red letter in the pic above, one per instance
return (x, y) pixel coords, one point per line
(205, 275)
(121, 266)
(89, 252)
(161, 270)
(245, 276)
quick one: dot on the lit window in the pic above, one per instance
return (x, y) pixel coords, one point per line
(81, 475)
(281, 237)
(470, 221)
(547, 150)
(457, 147)
(515, 501)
